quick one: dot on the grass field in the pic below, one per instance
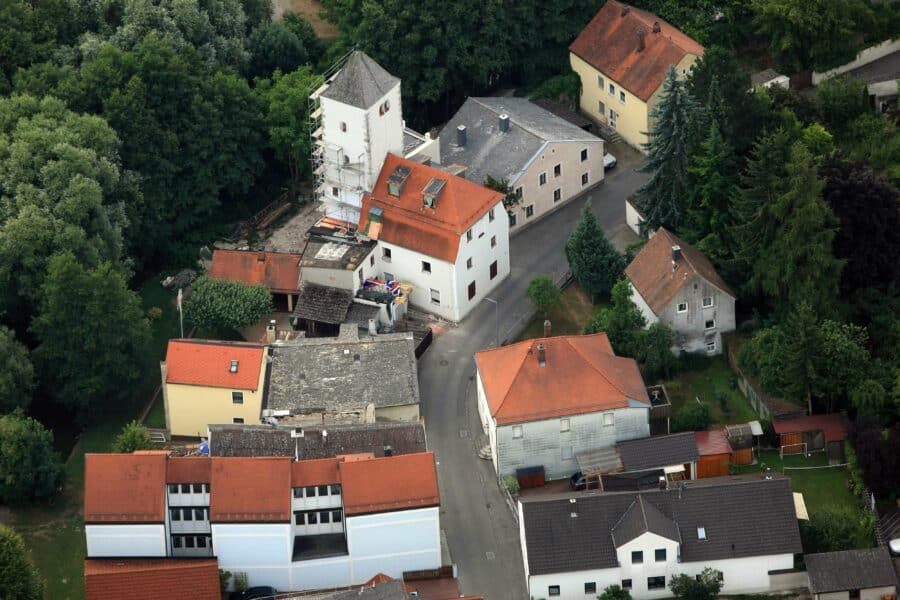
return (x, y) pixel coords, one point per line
(702, 384)
(569, 316)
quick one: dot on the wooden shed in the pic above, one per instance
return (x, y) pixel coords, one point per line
(740, 439)
(812, 433)
(714, 454)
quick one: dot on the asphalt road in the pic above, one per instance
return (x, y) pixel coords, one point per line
(481, 532)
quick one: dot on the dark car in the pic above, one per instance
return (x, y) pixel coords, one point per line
(260, 591)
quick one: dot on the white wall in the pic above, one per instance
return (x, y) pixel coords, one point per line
(864, 57)
(394, 542)
(632, 217)
(262, 550)
(125, 540)
(488, 423)
(645, 309)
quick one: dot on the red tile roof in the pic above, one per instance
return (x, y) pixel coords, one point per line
(430, 231)
(276, 271)
(208, 363)
(188, 469)
(713, 442)
(833, 425)
(250, 489)
(124, 488)
(581, 375)
(320, 471)
(609, 43)
(390, 483)
(152, 579)
(652, 275)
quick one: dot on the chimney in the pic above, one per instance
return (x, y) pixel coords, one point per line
(625, 9)
(640, 34)
(373, 328)
(676, 253)
(271, 332)
(388, 451)
(542, 355)
(504, 122)
(261, 257)
(461, 135)
(656, 27)
(547, 328)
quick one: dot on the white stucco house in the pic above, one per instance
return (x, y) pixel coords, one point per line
(542, 401)
(293, 525)
(446, 236)
(673, 282)
(577, 545)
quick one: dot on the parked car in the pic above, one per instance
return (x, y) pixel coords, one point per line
(579, 482)
(894, 545)
(609, 161)
(260, 591)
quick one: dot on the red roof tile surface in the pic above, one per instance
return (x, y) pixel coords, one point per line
(833, 425)
(390, 483)
(581, 375)
(322, 471)
(124, 488)
(711, 443)
(430, 231)
(188, 469)
(652, 275)
(151, 579)
(277, 271)
(208, 363)
(609, 43)
(250, 489)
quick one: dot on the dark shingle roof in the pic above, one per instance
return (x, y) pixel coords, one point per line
(389, 590)
(361, 313)
(361, 82)
(406, 437)
(322, 303)
(640, 518)
(850, 570)
(658, 451)
(764, 76)
(741, 518)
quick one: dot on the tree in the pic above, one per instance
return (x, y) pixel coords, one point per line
(869, 398)
(614, 592)
(133, 436)
(831, 528)
(843, 359)
(543, 293)
(275, 46)
(841, 100)
(16, 373)
(92, 337)
(662, 198)
(622, 322)
(19, 578)
(300, 27)
(705, 586)
(657, 357)
(594, 261)
(220, 304)
(693, 416)
(817, 140)
(510, 198)
(800, 366)
(30, 469)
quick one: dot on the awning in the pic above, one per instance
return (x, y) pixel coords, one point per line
(755, 428)
(673, 469)
(599, 460)
(800, 507)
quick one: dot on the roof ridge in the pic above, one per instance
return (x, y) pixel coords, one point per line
(517, 123)
(512, 383)
(603, 374)
(624, 512)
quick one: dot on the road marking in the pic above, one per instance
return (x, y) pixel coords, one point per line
(489, 555)
(463, 433)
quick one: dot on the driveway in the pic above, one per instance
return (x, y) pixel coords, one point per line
(481, 532)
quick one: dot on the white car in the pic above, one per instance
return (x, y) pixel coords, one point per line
(609, 161)
(894, 545)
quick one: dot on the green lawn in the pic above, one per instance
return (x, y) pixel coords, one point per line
(702, 384)
(568, 317)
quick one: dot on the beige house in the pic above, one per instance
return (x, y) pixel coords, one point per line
(208, 382)
(546, 159)
(622, 57)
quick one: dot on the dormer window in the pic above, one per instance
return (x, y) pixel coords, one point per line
(432, 191)
(397, 179)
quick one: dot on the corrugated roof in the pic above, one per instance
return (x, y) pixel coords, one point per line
(361, 82)
(321, 471)
(653, 277)
(850, 570)
(151, 579)
(833, 425)
(430, 231)
(609, 43)
(277, 271)
(188, 469)
(658, 451)
(390, 483)
(581, 374)
(207, 363)
(250, 489)
(124, 488)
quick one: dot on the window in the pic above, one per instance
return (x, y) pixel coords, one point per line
(237, 397)
(187, 515)
(468, 263)
(336, 489)
(323, 490)
(517, 432)
(709, 324)
(612, 90)
(343, 127)
(701, 533)
(491, 216)
(707, 301)
(682, 307)
(237, 421)
(584, 179)
(557, 195)
(469, 235)
(323, 517)
(493, 241)
(590, 587)
(309, 492)
(388, 276)
(656, 583)
(583, 154)
(471, 290)
(609, 419)
(334, 192)
(199, 514)
(173, 489)
(201, 542)
(557, 170)
(176, 542)
(176, 514)
(601, 108)
(312, 518)
(436, 297)
(519, 192)
(336, 516)
(564, 425)
(298, 492)
(600, 82)
(529, 211)
(720, 575)
(626, 584)
(659, 555)
(637, 557)
(566, 452)
(542, 178)
(185, 488)
(711, 346)
(553, 590)
(189, 541)
(205, 488)
(621, 96)
(386, 254)
(512, 220)
(198, 488)
(426, 266)
(493, 269)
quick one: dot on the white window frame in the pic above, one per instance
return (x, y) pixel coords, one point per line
(469, 263)
(706, 323)
(612, 90)
(491, 215)
(567, 453)
(517, 432)
(385, 254)
(601, 82)
(711, 304)
(529, 211)
(585, 179)
(542, 178)
(622, 96)
(711, 347)
(426, 266)
(584, 154)
(470, 235)
(680, 310)
(565, 425)
(609, 419)
(557, 170)
(493, 241)
(435, 297)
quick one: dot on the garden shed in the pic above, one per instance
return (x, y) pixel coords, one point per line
(740, 439)
(812, 433)
(714, 454)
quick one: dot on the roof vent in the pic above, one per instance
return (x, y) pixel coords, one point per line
(388, 451)
(542, 354)
(432, 191)
(701, 533)
(574, 515)
(504, 122)
(641, 32)
(676, 253)
(461, 135)
(233, 368)
(625, 9)
(656, 27)
(572, 500)
(397, 179)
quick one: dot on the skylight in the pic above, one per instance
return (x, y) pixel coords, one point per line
(701, 533)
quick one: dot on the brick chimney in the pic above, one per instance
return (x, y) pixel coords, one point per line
(625, 9)
(547, 328)
(656, 27)
(641, 33)
(676, 253)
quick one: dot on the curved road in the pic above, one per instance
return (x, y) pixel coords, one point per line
(481, 532)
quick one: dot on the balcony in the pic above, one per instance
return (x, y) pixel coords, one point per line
(660, 409)
(319, 546)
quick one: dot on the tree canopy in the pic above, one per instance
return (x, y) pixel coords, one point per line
(16, 373)
(133, 436)
(622, 322)
(219, 304)
(595, 263)
(19, 579)
(30, 469)
(543, 293)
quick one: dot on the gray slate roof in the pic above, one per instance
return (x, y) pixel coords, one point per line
(390, 590)
(322, 303)
(503, 155)
(742, 517)
(361, 82)
(406, 437)
(343, 374)
(764, 76)
(658, 451)
(640, 518)
(850, 570)
(360, 314)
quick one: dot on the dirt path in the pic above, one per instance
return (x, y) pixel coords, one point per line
(309, 9)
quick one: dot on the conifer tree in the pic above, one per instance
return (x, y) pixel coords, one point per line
(595, 263)
(663, 198)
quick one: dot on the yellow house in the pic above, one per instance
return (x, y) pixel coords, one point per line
(210, 382)
(622, 57)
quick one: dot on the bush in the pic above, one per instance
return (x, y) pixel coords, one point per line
(543, 293)
(614, 592)
(30, 469)
(224, 580)
(830, 529)
(154, 313)
(722, 398)
(693, 416)
(240, 582)
(134, 436)
(19, 579)
(511, 484)
(219, 304)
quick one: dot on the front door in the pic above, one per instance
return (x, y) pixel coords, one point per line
(612, 118)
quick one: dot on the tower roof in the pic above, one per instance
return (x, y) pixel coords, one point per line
(361, 82)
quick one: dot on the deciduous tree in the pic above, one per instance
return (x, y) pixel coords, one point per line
(30, 469)
(16, 373)
(622, 322)
(220, 304)
(704, 586)
(543, 293)
(19, 579)
(275, 46)
(657, 357)
(594, 261)
(830, 528)
(133, 436)
(841, 100)
(693, 416)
